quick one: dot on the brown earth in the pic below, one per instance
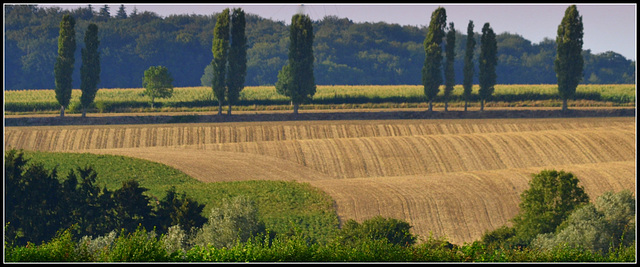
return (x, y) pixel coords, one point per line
(450, 177)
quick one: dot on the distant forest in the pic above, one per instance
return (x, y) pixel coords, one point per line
(346, 53)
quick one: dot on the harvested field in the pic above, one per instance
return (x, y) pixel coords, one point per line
(455, 178)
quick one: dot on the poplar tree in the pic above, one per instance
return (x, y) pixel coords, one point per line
(487, 65)
(569, 63)
(90, 70)
(63, 68)
(431, 72)
(449, 74)
(220, 49)
(237, 57)
(296, 79)
(467, 83)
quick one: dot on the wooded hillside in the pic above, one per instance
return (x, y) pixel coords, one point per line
(346, 53)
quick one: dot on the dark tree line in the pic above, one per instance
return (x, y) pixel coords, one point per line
(345, 52)
(40, 202)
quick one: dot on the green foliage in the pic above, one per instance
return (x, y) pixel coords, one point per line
(487, 65)
(296, 80)
(132, 206)
(468, 71)
(551, 197)
(347, 53)
(32, 203)
(599, 228)
(499, 237)
(569, 63)
(236, 220)
(59, 249)
(449, 74)
(178, 209)
(431, 71)
(220, 49)
(237, 57)
(90, 70)
(63, 68)
(157, 82)
(139, 246)
(390, 230)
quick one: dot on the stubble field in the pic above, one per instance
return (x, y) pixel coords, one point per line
(456, 178)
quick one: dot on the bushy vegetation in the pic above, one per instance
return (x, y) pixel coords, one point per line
(346, 52)
(556, 215)
(279, 203)
(238, 228)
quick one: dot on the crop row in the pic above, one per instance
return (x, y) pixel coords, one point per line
(110, 100)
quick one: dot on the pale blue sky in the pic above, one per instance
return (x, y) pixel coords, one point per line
(607, 27)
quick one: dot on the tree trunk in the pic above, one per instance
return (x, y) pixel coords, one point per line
(219, 107)
(481, 105)
(229, 111)
(84, 112)
(61, 111)
(295, 108)
(465, 106)
(446, 106)
(564, 105)
(430, 105)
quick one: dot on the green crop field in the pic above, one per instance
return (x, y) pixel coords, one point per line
(337, 96)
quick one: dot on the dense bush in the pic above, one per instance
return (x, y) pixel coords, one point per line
(38, 205)
(609, 223)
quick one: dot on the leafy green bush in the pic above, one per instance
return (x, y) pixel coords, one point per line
(551, 197)
(600, 228)
(139, 246)
(235, 220)
(391, 230)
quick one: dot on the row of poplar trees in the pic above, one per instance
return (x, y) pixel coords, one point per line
(568, 64)
(296, 79)
(432, 73)
(63, 69)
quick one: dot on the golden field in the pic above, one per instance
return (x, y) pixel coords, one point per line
(455, 178)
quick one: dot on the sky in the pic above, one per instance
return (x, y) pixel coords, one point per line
(607, 27)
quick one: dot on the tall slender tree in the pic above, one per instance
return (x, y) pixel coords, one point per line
(63, 68)
(237, 57)
(467, 83)
(296, 79)
(569, 62)
(90, 69)
(122, 14)
(487, 65)
(432, 72)
(104, 13)
(220, 49)
(449, 74)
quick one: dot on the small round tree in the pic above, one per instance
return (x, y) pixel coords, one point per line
(157, 82)
(551, 197)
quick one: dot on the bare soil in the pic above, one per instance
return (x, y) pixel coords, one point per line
(313, 115)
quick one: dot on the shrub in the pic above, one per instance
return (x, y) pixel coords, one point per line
(600, 228)
(235, 220)
(392, 230)
(139, 246)
(551, 197)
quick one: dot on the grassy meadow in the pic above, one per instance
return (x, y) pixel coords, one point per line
(326, 97)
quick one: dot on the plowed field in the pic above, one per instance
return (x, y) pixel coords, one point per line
(455, 178)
